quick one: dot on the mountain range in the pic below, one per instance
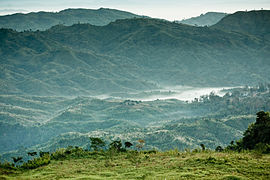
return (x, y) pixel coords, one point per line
(129, 55)
(56, 84)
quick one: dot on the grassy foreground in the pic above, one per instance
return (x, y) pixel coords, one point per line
(146, 165)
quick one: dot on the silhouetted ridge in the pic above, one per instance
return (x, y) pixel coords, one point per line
(45, 20)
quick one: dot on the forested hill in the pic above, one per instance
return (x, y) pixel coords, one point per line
(128, 55)
(256, 23)
(45, 20)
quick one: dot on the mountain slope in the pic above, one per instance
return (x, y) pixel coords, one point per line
(256, 23)
(207, 19)
(45, 20)
(127, 55)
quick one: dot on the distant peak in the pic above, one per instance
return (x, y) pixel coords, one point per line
(207, 19)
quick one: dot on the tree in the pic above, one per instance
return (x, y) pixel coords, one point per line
(32, 153)
(256, 136)
(128, 144)
(42, 154)
(203, 147)
(140, 144)
(97, 143)
(219, 149)
(259, 132)
(17, 159)
(116, 145)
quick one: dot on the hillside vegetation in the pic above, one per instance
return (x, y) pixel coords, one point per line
(127, 56)
(45, 20)
(43, 123)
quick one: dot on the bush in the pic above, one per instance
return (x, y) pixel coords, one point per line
(96, 143)
(37, 162)
(150, 151)
(7, 165)
(59, 154)
(77, 152)
(219, 149)
(262, 148)
(68, 152)
(116, 146)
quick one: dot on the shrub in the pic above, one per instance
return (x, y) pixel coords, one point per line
(41, 153)
(262, 148)
(150, 151)
(195, 151)
(219, 149)
(32, 153)
(116, 146)
(7, 165)
(96, 143)
(59, 154)
(37, 162)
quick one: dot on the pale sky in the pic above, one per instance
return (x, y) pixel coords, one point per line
(165, 9)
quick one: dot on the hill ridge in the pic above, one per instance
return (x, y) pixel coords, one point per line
(130, 54)
(44, 20)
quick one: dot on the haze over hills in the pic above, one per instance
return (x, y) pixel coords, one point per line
(45, 20)
(207, 19)
(49, 123)
(28, 121)
(43, 72)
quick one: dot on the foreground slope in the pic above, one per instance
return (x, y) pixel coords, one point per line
(45, 20)
(146, 165)
(128, 55)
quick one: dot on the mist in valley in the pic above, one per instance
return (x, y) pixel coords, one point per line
(182, 93)
(78, 73)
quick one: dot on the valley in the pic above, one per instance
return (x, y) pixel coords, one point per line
(127, 77)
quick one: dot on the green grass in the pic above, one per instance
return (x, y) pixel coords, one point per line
(162, 165)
